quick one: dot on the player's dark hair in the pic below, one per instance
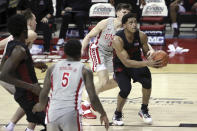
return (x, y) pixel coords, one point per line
(73, 48)
(127, 16)
(123, 6)
(17, 24)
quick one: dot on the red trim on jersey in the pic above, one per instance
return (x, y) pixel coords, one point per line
(47, 110)
(52, 82)
(78, 122)
(93, 61)
(98, 37)
(77, 93)
(97, 53)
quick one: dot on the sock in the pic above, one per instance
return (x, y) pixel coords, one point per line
(144, 107)
(118, 112)
(10, 126)
(174, 25)
(27, 129)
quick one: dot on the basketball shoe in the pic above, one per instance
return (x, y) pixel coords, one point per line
(6, 128)
(87, 113)
(145, 116)
(117, 119)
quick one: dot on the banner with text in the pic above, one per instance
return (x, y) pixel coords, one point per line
(155, 9)
(102, 10)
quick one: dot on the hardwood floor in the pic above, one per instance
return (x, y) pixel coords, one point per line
(173, 102)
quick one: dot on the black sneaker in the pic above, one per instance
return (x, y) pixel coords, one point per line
(117, 119)
(145, 116)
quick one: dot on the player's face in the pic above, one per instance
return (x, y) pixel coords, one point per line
(33, 23)
(131, 24)
(121, 13)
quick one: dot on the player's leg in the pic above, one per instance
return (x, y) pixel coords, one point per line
(124, 83)
(71, 121)
(104, 83)
(143, 76)
(52, 127)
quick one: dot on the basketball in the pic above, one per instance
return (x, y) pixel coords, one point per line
(161, 55)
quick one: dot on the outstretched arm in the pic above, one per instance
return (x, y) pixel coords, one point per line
(5, 41)
(88, 79)
(43, 97)
(95, 31)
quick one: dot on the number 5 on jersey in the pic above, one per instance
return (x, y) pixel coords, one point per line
(65, 79)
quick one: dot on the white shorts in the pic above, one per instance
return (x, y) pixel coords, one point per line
(100, 61)
(70, 121)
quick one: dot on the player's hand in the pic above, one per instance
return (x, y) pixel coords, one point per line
(104, 119)
(38, 108)
(154, 63)
(150, 54)
(41, 65)
(36, 89)
(44, 20)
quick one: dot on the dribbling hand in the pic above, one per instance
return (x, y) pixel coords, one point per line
(38, 108)
(104, 119)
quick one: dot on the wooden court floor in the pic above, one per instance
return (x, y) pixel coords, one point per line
(173, 102)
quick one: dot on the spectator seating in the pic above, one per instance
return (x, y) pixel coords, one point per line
(152, 21)
(187, 18)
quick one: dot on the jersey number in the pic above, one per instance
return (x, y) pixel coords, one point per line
(65, 79)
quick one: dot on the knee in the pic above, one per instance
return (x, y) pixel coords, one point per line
(103, 83)
(124, 93)
(147, 83)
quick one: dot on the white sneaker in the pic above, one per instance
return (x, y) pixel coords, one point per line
(145, 116)
(60, 42)
(4, 128)
(117, 119)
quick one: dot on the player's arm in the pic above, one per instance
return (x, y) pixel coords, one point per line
(88, 80)
(43, 97)
(122, 54)
(4, 42)
(10, 66)
(32, 36)
(95, 31)
(146, 47)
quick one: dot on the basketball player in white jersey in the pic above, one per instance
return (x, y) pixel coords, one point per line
(64, 81)
(101, 52)
(32, 35)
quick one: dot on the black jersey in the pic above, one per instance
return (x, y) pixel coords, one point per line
(25, 70)
(133, 50)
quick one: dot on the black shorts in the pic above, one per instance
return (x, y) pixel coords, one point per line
(141, 75)
(27, 105)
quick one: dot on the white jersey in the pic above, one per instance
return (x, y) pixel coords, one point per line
(104, 39)
(66, 89)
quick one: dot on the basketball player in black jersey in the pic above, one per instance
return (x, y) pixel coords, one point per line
(18, 70)
(128, 65)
